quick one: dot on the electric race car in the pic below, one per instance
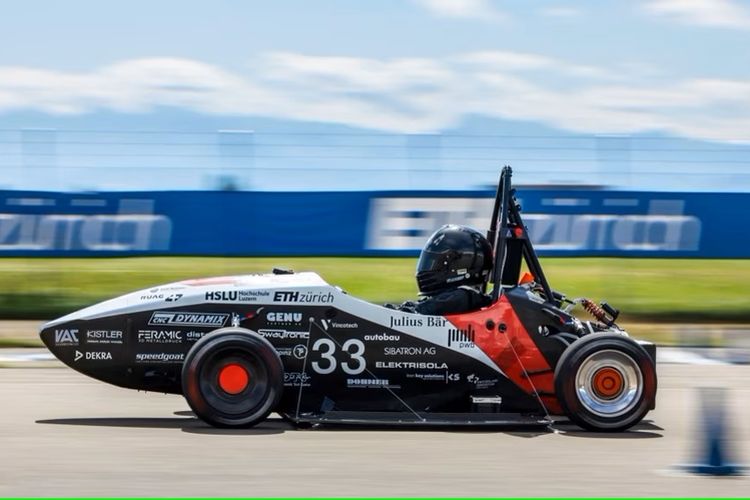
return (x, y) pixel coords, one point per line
(241, 347)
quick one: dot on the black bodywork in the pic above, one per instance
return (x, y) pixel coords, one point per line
(347, 360)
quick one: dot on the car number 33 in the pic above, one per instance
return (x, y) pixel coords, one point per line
(328, 363)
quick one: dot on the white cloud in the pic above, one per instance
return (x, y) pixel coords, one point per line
(720, 13)
(562, 12)
(399, 95)
(466, 9)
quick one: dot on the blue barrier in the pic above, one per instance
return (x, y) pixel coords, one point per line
(562, 222)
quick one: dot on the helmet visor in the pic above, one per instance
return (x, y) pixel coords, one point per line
(431, 261)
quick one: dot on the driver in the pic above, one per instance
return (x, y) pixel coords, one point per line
(452, 268)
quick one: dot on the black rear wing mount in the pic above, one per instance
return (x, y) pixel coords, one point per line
(511, 244)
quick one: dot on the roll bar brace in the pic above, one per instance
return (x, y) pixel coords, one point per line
(510, 242)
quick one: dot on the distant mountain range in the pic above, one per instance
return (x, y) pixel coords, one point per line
(174, 149)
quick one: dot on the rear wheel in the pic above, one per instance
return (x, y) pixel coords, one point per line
(605, 382)
(232, 378)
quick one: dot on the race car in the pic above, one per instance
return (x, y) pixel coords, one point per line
(241, 347)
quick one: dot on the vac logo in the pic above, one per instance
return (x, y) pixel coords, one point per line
(461, 338)
(188, 319)
(66, 337)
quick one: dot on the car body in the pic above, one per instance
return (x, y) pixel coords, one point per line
(297, 345)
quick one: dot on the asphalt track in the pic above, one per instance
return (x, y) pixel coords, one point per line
(63, 434)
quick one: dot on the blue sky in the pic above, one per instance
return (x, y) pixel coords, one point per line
(673, 67)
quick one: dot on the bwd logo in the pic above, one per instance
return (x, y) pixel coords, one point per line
(214, 320)
(66, 337)
(461, 338)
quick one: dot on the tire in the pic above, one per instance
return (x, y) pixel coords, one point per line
(605, 382)
(232, 378)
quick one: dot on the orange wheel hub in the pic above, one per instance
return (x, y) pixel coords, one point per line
(607, 382)
(233, 378)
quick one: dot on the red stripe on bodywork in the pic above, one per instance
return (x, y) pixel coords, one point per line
(533, 371)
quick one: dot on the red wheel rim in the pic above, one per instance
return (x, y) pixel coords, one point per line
(233, 378)
(607, 382)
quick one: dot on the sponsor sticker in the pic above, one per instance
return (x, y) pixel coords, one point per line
(159, 336)
(300, 351)
(296, 379)
(303, 297)
(342, 325)
(282, 334)
(406, 365)
(194, 336)
(284, 351)
(369, 383)
(417, 321)
(410, 351)
(174, 318)
(104, 336)
(93, 356)
(481, 383)
(68, 337)
(461, 338)
(160, 357)
(383, 337)
(429, 377)
(284, 318)
(237, 295)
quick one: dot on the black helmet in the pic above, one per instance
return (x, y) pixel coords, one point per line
(453, 256)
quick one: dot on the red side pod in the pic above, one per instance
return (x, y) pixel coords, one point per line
(533, 371)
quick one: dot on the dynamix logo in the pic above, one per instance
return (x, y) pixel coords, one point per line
(188, 319)
(66, 337)
(303, 297)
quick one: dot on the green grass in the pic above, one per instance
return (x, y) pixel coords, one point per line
(669, 290)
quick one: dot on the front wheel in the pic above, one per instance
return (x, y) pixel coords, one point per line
(605, 382)
(232, 378)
